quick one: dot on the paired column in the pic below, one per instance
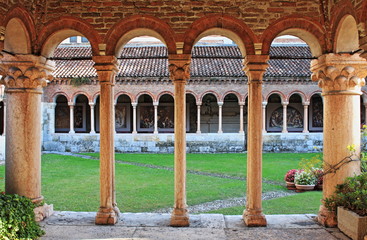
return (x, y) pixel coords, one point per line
(264, 116)
(241, 116)
(220, 106)
(305, 117)
(134, 105)
(341, 77)
(108, 212)
(179, 73)
(198, 129)
(71, 107)
(255, 66)
(92, 130)
(24, 76)
(285, 104)
(155, 105)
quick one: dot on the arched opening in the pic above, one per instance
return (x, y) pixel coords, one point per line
(123, 114)
(295, 114)
(81, 114)
(145, 114)
(166, 114)
(346, 36)
(62, 115)
(191, 113)
(209, 114)
(17, 38)
(2, 118)
(316, 113)
(231, 114)
(274, 113)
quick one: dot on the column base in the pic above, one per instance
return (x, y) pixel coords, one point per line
(92, 132)
(179, 218)
(107, 216)
(326, 217)
(71, 132)
(254, 218)
(155, 132)
(284, 131)
(241, 132)
(198, 132)
(220, 131)
(134, 132)
(305, 131)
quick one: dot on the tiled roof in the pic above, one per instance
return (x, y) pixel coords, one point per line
(207, 61)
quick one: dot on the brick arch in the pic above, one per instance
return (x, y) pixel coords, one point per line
(281, 95)
(57, 94)
(193, 94)
(95, 96)
(76, 94)
(120, 93)
(122, 28)
(305, 28)
(59, 29)
(315, 93)
(238, 95)
(220, 22)
(136, 99)
(301, 94)
(164, 93)
(210, 92)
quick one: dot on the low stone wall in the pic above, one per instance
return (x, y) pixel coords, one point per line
(2, 148)
(292, 142)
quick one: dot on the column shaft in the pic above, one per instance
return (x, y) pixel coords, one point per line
(264, 116)
(71, 106)
(284, 130)
(305, 117)
(134, 116)
(198, 130)
(220, 107)
(92, 130)
(155, 105)
(241, 118)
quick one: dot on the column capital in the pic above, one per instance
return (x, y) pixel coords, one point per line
(264, 103)
(179, 67)
(106, 67)
(339, 73)
(91, 104)
(25, 72)
(241, 103)
(71, 104)
(198, 103)
(285, 103)
(220, 104)
(255, 67)
(134, 104)
(306, 103)
(155, 104)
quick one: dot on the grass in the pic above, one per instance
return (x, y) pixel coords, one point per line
(72, 183)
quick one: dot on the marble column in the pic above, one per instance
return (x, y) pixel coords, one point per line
(155, 105)
(285, 104)
(51, 125)
(134, 105)
(220, 108)
(241, 116)
(4, 126)
(179, 73)
(264, 116)
(92, 130)
(71, 117)
(305, 117)
(24, 77)
(108, 212)
(255, 66)
(198, 128)
(341, 77)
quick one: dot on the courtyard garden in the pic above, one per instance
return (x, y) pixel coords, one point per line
(216, 183)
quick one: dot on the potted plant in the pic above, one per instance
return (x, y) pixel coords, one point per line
(319, 173)
(305, 180)
(289, 179)
(350, 203)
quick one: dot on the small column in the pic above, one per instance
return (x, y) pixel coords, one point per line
(198, 130)
(179, 73)
(341, 77)
(4, 118)
(255, 66)
(305, 117)
(241, 116)
(285, 104)
(71, 107)
(92, 130)
(108, 212)
(264, 116)
(155, 105)
(134, 105)
(220, 106)
(51, 127)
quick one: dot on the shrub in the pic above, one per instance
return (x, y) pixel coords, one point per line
(17, 218)
(305, 178)
(351, 195)
(289, 176)
(319, 174)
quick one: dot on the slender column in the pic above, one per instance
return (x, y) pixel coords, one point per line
(255, 66)
(198, 129)
(134, 104)
(365, 113)
(108, 212)
(4, 118)
(305, 117)
(71, 107)
(51, 127)
(241, 117)
(24, 77)
(92, 130)
(341, 77)
(220, 106)
(264, 116)
(179, 73)
(155, 105)
(285, 104)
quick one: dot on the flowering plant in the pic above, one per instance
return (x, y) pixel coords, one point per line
(319, 174)
(305, 178)
(289, 176)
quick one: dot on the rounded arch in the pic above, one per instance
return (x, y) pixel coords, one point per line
(20, 32)
(345, 35)
(58, 30)
(57, 94)
(224, 25)
(315, 93)
(164, 93)
(283, 98)
(306, 29)
(217, 96)
(77, 94)
(144, 93)
(301, 94)
(120, 93)
(193, 94)
(135, 26)
(364, 97)
(95, 96)
(238, 95)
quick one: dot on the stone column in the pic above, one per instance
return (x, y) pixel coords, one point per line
(241, 116)
(220, 107)
(155, 105)
(264, 116)
(92, 130)
(341, 77)
(305, 117)
(285, 104)
(51, 125)
(198, 128)
(4, 119)
(71, 107)
(134, 105)
(180, 73)
(108, 212)
(255, 66)
(24, 76)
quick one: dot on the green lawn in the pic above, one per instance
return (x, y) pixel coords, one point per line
(72, 183)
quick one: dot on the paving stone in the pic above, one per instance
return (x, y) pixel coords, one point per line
(212, 220)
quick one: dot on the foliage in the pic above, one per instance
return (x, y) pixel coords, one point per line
(289, 176)
(310, 164)
(78, 81)
(17, 220)
(319, 174)
(351, 194)
(305, 178)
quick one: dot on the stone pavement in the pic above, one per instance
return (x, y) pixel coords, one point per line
(155, 226)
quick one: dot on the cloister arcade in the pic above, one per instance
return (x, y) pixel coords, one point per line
(334, 30)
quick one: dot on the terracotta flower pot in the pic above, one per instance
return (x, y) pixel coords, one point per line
(305, 187)
(291, 185)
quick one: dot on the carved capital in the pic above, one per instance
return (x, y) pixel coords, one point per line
(255, 67)
(106, 67)
(339, 73)
(179, 67)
